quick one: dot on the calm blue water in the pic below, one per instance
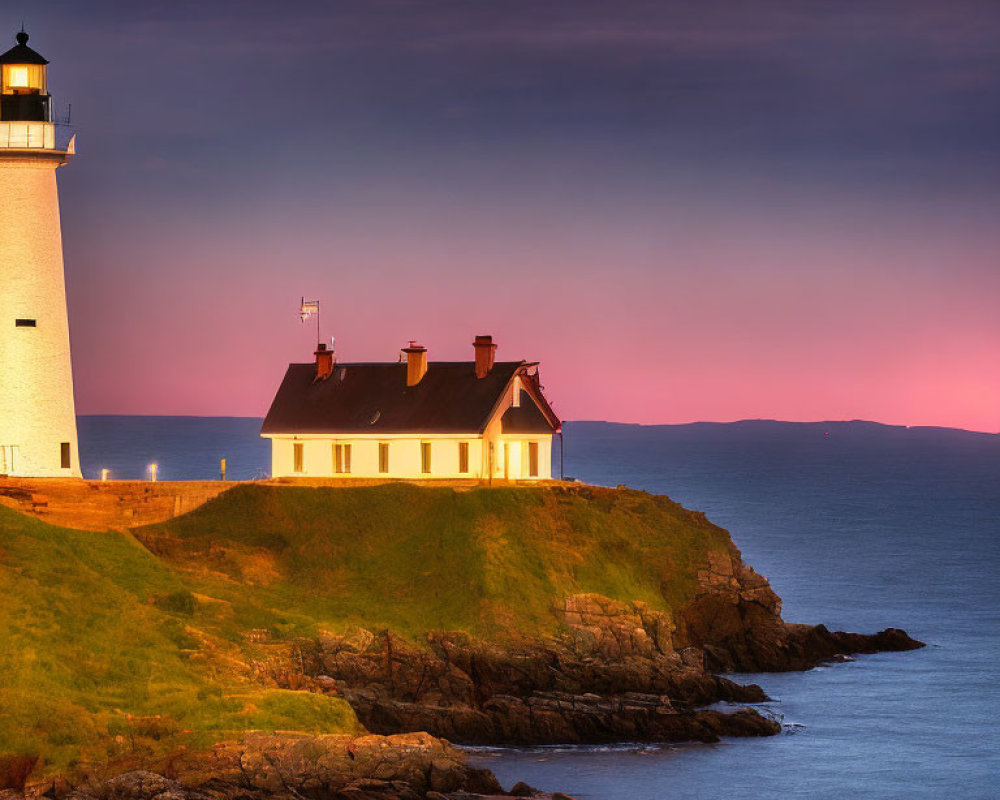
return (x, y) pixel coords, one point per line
(856, 525)
(183, 448)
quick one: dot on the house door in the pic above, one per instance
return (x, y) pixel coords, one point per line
(506, 461)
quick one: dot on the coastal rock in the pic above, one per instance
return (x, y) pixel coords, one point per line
(15, 769)
(140, 785)
(621, 671)
(295, 767)
(736, 622)
(550, 718)
(611, 683)
(600, 627)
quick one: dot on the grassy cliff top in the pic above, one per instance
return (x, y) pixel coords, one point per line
(112, 649)
(415, 559)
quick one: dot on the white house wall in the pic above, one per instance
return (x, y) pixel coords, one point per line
(519, 462)
(405, 459)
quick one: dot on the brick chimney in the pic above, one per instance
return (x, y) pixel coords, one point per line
(485, 352)
(324, 362)
(416, 363)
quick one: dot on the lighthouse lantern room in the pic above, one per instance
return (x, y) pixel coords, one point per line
(23, 76)
(37, 413)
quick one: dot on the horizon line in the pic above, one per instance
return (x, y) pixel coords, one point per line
(630, 424)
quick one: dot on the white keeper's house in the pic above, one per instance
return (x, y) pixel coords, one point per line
(412, 419)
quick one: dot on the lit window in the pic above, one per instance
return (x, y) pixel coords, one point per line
(297, 457)
(17, 77)
(342, 458)
(383, 457)
(425, 457)
(463, 457)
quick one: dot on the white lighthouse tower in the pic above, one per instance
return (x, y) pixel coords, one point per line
(37, 415)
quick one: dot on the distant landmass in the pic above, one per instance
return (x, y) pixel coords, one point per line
(854, 427)
(192, 447)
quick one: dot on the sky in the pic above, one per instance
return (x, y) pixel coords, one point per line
(704, 210)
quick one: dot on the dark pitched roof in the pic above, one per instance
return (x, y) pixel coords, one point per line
(21, 53)
(374, 398)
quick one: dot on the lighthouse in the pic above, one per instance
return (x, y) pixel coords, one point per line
(37, 414)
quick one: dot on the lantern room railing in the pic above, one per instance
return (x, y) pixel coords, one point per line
(18, 135)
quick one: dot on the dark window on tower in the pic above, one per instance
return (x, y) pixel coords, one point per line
(64, 455)
(24, 323)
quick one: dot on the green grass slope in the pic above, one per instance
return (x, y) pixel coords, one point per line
(414, 559)
(99, 655)
(111, 649)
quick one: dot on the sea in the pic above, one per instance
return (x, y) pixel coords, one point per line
(857, 525)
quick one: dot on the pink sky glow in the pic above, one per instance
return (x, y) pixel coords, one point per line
(666, 318)
(685, 211)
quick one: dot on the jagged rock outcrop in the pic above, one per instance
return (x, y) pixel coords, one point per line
(550, 718)
(412, 766)
(736, 621)
(613, 676)
(15, 769)
(606, 629)
(620, 671)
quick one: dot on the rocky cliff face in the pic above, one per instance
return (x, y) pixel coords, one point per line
(735, 620)
(477, 692)
(620, 672)
(292, 767)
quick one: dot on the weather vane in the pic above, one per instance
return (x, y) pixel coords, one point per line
(309, 308)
